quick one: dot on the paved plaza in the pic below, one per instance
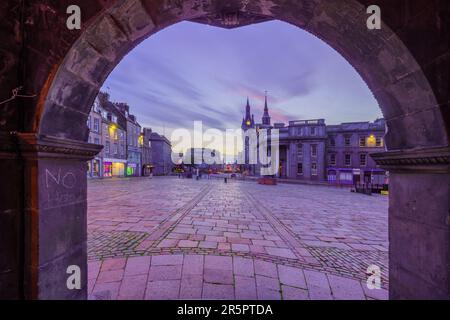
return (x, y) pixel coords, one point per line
(170, 238)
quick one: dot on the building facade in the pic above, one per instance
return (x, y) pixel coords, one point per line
(94, 123)
(349, 146)
(312, 151)
(146, 146)
(134, 145)
(114, 138)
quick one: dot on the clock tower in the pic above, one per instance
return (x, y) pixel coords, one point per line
(248, 122)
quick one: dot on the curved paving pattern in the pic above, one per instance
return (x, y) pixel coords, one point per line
(294, 241)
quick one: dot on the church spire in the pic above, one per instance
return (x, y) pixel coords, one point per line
(266, 109)
(248, 121)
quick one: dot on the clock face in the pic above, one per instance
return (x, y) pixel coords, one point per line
(248, 123)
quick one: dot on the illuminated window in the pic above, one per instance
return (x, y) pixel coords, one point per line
(371, 141)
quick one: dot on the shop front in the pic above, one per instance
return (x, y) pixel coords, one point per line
(147, 170)
(132, 169)
(94, 168)
(341, 176)
(113, 168)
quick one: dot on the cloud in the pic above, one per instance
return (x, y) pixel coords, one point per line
(192, 72)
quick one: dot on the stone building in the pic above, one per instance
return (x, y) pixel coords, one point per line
(349, 146)
(94, 123)
(114, 138)
(133, 149)
(310, 150)
(161, 154)
(146, 147)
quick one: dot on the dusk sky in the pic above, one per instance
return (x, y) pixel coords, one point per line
(191, 71)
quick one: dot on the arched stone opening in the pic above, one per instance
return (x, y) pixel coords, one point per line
(418, 158)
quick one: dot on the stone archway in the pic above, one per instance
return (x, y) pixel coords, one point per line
(418, 158)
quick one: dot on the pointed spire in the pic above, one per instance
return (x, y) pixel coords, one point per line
(266, 117)
(266, 109)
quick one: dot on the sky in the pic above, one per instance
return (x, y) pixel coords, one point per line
(194, 72)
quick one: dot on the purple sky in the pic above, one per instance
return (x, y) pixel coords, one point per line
(193, 72)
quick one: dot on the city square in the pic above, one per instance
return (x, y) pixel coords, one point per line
(173, 238)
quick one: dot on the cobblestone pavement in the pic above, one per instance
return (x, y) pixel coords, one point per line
(170, 238)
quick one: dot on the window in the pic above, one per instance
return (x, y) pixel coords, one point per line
(299, 150)
(96, 125)
(314, 169)
(96, 140)
(347, 141)
(363, 160)
(314, 150)
(333, 159)
(379, 142)
(116, 148)
(345, 176)
(362, 141)
(107, 147)
(332, 142)
(348, 159)
(312, 131)
(300, 168)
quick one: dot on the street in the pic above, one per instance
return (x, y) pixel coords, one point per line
(171, 238)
